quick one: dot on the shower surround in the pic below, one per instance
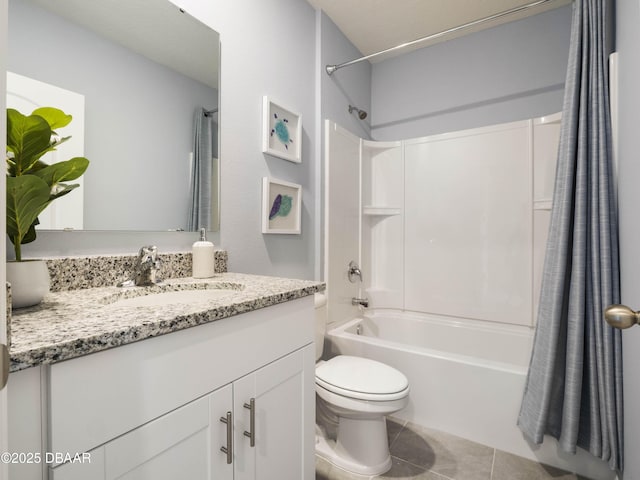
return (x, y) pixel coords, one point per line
(449, 232)
(452, 224)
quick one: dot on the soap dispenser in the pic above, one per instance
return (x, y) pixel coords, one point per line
(203, 257)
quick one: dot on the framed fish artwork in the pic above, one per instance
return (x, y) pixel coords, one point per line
(281, 206)
(281, 131)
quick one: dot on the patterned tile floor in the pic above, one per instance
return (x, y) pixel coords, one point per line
(421, 453)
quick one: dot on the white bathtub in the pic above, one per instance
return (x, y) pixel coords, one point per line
(466, 377)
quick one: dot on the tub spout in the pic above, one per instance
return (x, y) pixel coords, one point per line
(364, 302)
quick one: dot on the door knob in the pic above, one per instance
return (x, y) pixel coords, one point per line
(621, 316)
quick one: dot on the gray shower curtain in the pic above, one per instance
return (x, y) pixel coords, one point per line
(200, 208)
(574, 386)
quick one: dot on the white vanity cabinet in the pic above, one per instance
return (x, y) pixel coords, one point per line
(153, 409)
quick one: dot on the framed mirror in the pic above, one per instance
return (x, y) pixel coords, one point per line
(142, 80)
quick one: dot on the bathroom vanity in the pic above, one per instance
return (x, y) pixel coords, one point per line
(221, 389)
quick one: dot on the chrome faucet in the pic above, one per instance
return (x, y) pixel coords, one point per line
(363, 302)
(147, 266)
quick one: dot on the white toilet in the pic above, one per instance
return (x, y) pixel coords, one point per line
(359, 392)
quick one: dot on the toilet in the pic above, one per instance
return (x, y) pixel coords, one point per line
(356, 393)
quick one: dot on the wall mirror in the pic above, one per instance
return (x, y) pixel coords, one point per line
(134, 72)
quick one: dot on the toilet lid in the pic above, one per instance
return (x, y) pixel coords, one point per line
(360, 375)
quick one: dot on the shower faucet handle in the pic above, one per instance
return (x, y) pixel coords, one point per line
(354, 271)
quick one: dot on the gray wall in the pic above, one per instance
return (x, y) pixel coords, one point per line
(348, 86)
(138, 124)
(268, 48)
(507, 73)
(627, 41)
(278, 48)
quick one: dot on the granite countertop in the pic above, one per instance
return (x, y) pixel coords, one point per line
(73, 323)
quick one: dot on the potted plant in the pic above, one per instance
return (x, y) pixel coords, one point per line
(31, 186)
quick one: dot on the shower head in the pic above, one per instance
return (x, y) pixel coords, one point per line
(361, 113)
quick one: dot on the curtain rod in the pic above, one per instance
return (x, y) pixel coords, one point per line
(332, 68)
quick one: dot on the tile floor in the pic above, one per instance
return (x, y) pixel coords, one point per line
(421, 453)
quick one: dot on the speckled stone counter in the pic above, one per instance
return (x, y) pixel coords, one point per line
(70, 324)
(71, 273)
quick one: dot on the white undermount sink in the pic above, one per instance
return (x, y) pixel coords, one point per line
(187, 296)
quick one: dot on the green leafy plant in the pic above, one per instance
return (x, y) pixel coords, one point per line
(31, 183)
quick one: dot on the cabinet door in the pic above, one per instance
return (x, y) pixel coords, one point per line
(220, 404)
(93, 469)
(185, 443)
(283, 423)
(174, 445)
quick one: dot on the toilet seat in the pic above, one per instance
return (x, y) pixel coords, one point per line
(362, 379)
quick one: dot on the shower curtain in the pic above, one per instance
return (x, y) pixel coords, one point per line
(574, 386)
(200, 209)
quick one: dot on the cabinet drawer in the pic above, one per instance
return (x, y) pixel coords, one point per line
(107, 394)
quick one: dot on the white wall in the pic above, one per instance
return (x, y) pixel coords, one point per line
(627, 41)
(507, 73)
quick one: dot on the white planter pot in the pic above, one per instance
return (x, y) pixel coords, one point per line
(29, 282)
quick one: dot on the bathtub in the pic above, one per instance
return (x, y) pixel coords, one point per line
(466, 377)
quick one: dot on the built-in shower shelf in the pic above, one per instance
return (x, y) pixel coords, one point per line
(372, 210)
(542, 204)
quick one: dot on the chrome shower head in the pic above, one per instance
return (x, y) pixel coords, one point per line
(361, 113)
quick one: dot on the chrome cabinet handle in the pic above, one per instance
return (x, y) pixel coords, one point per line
(252, 422)
(228, 449)
(621, 316)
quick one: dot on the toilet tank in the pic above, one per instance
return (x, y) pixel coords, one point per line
(321, 322)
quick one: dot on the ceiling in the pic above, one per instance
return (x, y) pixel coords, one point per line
(375, 25)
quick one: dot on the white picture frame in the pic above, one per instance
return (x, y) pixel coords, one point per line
(281, 131)
(281, 215)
